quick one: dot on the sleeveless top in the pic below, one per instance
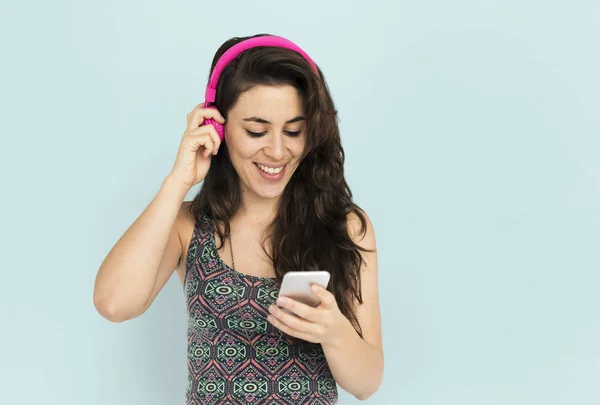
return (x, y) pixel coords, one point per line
(223, 367)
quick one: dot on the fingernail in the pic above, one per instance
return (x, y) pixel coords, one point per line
(315, 288)
(272, 309)
(281, 300)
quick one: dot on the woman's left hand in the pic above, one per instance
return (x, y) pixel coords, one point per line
(322, 324)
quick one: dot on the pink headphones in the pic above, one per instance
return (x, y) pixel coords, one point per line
(231, 53)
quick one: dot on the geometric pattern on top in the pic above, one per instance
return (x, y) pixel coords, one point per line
(223, 368)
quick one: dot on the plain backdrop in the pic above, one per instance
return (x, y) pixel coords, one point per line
(472, 137)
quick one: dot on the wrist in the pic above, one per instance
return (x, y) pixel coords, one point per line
(173, 185)
(340, 334)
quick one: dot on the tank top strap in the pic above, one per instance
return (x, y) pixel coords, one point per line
(200, 243)
(203, 230)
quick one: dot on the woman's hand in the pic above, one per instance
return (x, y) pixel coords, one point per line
(198, 144)
(323, 324)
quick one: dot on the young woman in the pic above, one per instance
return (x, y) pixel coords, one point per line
(274, 199)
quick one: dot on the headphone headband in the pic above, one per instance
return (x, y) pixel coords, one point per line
(235, 50)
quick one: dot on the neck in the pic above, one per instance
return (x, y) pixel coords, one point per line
(258, 210)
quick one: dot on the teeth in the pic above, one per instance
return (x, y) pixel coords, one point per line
(270, 170)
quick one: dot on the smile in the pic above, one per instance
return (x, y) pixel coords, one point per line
(269, 170)
(270, 173)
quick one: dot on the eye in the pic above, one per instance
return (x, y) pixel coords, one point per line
(255, 134)
(292, 133)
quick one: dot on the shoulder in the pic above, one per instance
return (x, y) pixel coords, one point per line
(360, 229)
(185, 216)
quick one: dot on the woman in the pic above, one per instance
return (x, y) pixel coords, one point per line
(274, 199)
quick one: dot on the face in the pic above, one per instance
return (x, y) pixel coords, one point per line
(265, 136)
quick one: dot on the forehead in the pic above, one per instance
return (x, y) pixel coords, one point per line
(273, 103)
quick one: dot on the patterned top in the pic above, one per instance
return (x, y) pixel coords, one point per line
(223, 368)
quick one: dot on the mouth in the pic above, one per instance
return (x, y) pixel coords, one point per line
(270, 172)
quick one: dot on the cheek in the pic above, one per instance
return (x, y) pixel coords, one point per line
(240, 146)
(298, 148)
(242, 157)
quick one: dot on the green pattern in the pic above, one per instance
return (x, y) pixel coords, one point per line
(223, 367)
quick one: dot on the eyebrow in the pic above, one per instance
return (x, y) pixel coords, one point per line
(263, 121)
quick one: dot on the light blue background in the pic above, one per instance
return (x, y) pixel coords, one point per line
(472, 137)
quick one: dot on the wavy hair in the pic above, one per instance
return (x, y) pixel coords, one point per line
(310, 230)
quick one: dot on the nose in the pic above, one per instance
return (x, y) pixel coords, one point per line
(275, 148)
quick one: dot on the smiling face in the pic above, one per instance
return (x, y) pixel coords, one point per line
(265, 136)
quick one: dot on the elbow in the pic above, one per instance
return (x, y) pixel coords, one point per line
(112, 311)
(363, 396)
(108, 310)
(369, 391)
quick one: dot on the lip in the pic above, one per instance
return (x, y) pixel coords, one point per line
(270, 177)
(271, 166)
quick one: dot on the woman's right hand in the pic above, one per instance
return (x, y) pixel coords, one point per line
(198, 144)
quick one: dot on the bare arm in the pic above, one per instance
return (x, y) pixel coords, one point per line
(143, 259)
(357, 364)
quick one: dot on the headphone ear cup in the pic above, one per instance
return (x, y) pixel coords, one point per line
(218, 127)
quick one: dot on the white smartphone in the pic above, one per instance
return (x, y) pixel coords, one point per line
(296, 285)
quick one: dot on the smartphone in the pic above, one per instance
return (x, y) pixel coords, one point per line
(296, 285)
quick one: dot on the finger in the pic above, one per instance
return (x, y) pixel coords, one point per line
(189, 115)
(209, 147)
(294, 322)
(302, 310)
(201, 105)
(289, 331)
(327, 298)
(201, 140)
(212, 132)
(196, 117)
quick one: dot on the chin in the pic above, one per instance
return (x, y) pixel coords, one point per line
(265, 188)
(268, 193)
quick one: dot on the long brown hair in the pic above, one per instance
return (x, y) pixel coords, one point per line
(310, 230)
